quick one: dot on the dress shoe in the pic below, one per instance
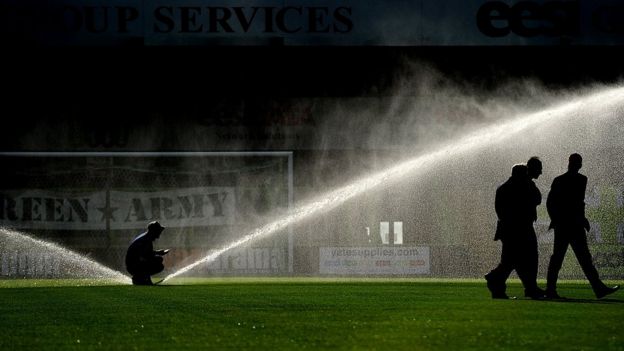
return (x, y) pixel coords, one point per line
(606, 291)
(497, 290)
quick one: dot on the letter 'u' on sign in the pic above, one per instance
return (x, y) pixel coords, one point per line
(398, 233)
(384, 232)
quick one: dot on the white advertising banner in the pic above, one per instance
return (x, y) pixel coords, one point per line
(53, 210)
(190, 207)
(43, 209)
(375, 260)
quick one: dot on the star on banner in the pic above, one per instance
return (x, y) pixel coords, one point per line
(107, 212)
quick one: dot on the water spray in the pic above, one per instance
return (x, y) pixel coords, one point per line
(483, 137)
(82, 263)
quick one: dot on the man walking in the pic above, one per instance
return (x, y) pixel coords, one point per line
(534, 169)
(566, 208)
(514, 204)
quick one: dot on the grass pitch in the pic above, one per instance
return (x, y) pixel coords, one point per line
(294, 314)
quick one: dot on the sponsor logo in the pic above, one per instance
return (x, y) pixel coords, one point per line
(107, 18)
(550, 18)
(374, 260)
(529, 19)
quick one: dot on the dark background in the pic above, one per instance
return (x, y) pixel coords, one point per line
(97, 88)
(101, 98)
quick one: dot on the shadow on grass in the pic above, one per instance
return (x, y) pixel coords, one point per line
(595, 301)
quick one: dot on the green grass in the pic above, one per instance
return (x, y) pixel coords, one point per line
(294, 314)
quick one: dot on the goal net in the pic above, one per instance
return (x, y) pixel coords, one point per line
(96, 203)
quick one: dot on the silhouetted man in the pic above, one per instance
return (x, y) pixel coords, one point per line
(566, 208)
(141, 259)
(514, 204)
(534, 169)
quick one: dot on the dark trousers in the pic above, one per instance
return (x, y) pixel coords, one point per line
(575, 237)
(519, 254)
(146, 269)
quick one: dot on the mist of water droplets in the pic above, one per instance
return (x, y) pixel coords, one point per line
(489, 136)
(24, 255)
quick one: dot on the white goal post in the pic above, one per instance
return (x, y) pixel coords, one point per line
(179, 154)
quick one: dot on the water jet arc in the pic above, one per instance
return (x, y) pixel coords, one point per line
(83, 264)
(491, 135)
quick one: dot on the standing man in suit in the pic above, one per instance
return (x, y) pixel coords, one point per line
(534, 169)
(566, 208)
(513, 203)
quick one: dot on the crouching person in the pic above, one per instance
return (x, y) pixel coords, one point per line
(141, 260)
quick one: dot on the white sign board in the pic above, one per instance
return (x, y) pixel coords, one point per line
(53, 210)
(383, 260)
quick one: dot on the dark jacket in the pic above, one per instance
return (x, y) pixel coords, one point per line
(535, 199)
(566, 201)
(515, 204)
(141, 251)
